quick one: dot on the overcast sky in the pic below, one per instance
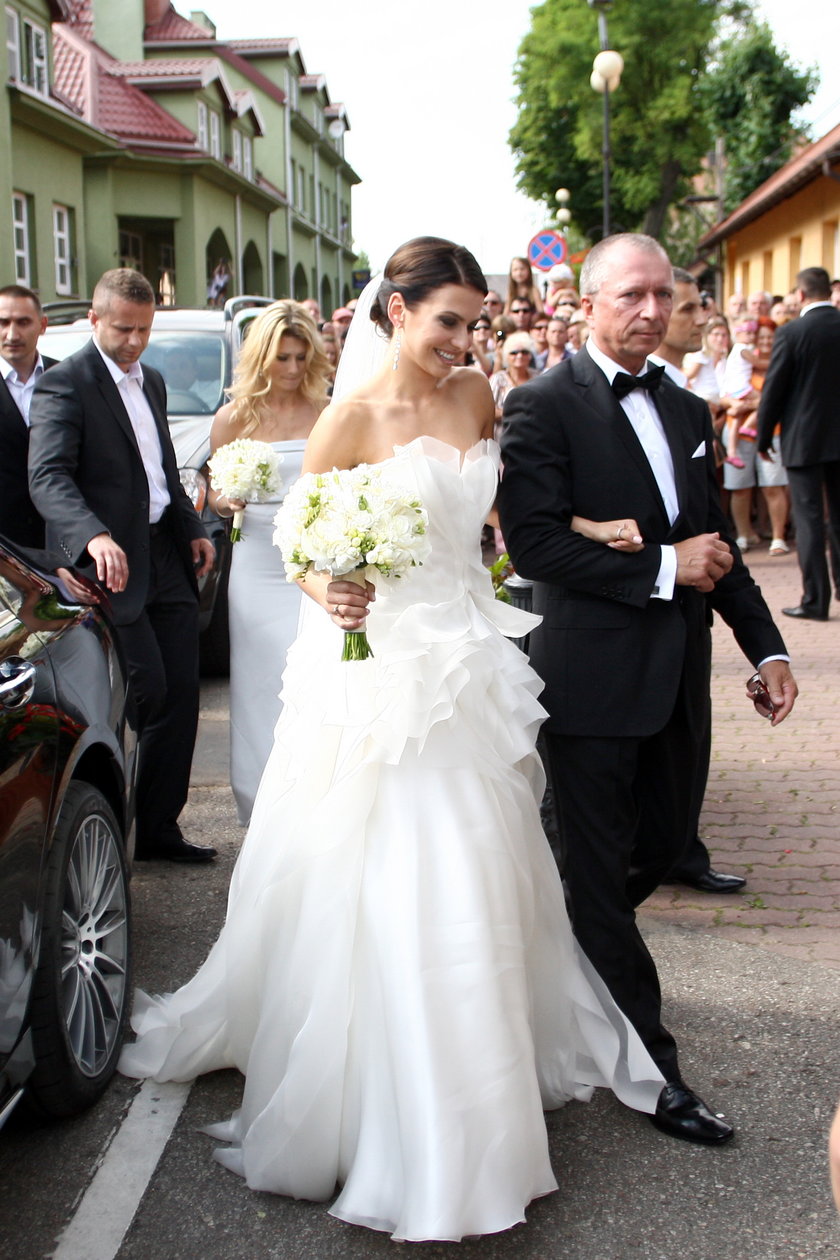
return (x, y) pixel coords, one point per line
(429, 92)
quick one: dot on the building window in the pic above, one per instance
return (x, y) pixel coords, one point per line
(61, 249)
(202, 126)
(247, 157)
(131, 250)
(35, 57)
(13, 44)
(300, 201)
(20, 224)
(215, 136)
(293, 91)
(236, 138)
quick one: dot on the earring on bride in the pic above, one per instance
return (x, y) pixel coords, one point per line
(397, 348)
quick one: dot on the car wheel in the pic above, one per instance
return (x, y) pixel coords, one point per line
(82, 987)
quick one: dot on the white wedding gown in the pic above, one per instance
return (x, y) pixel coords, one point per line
(397, 978)
(263, 612)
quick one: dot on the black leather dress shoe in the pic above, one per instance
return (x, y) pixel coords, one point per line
(809, 614)
(712, 881)
(681, 1114)
(175, 850)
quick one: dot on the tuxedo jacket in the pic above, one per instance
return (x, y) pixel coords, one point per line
(613, 659)
(802, 390)
(19, 520)
(86, 476)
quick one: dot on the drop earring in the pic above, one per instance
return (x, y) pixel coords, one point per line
(397, 348)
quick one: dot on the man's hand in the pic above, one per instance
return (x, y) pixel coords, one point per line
(782, 687)
(111, 562)
(203, 554)
(702, 561)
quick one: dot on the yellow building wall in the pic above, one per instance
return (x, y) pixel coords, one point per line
(801, 231)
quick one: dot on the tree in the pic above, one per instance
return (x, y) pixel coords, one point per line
(749, 96)
(658, 134)
(693, 69)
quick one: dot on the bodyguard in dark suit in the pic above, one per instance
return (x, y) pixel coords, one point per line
(623, 645)
(800, 393)
(21, 323)
(104, 477)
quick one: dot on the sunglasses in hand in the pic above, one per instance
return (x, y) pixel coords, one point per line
(760, 696)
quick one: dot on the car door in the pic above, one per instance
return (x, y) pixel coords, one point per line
(29, 735)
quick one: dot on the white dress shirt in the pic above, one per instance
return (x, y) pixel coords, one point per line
(21, 391)
(130, 385)
(640, 411)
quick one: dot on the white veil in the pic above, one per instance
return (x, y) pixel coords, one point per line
(365, 348)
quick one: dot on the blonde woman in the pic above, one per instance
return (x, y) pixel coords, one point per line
(278, 392)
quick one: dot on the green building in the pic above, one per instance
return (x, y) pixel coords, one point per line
(131, 136)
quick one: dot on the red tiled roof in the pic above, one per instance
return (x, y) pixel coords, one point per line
(89, 79)
(173, 26)
(130, 114)
(80, 17)
(164, 67)
(245, 46)
(803, 167)
(69, 74)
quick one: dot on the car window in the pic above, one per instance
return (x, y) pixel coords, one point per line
(193, 366)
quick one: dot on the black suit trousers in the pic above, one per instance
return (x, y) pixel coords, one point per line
(625, 806)
(812, 488)
(161, 647)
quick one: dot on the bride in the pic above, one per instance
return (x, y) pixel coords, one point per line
(396, 978)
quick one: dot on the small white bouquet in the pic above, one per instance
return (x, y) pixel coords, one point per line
(348, 523)
(248, 470)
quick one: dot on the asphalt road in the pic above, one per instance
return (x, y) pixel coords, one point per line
(759, 1034)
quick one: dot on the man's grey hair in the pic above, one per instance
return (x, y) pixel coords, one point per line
(596, 267)
(681, 276)
(124, 283)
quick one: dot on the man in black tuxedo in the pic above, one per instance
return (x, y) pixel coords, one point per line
(21, 323)
(800, 393)
(103, 475)
(623, 643)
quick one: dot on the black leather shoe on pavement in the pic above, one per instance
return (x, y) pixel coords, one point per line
(807, 613)
(681, 1114)
(712, 881)
(175, 850)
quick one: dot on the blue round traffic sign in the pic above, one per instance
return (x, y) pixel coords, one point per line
(547, 249)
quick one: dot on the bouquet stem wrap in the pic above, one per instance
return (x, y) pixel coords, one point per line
(356, 645)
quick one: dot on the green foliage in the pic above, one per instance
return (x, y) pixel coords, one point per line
(685, 62)
(749, 96)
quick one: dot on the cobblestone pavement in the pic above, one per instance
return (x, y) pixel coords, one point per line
(772, 807)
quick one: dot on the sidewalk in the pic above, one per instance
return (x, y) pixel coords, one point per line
(772, 808)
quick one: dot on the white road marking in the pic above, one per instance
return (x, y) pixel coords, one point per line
(107, 1207)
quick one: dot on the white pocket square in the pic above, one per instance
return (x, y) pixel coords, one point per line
(701, 450)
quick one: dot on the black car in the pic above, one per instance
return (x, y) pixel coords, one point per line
(68, 751)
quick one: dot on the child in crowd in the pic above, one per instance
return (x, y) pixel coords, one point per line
(737, 385)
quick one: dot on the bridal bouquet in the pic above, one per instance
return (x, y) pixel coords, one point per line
(348, 523)
(245, 469)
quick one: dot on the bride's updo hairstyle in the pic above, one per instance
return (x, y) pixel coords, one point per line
(419, 267)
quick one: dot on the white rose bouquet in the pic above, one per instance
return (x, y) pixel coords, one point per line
(349, 523)
(247, 470)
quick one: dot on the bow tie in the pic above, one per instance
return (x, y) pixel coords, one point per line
(624, 384)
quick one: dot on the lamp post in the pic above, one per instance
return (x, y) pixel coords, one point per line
(563, 214)
(605, 78)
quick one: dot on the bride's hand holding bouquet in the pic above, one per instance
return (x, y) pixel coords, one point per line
(245, 471)
(351, 523)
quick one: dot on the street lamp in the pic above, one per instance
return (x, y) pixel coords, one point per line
(605, 78)
(563, 214)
